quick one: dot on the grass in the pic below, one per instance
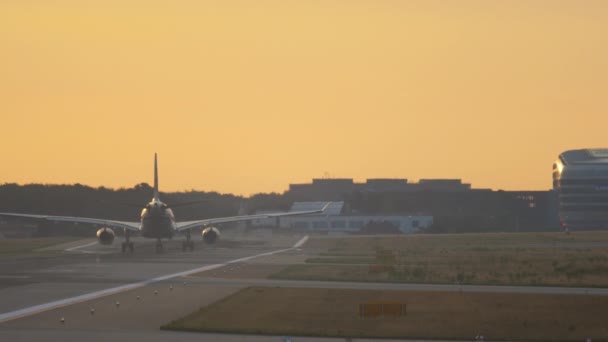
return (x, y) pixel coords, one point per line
(430, 315)
(553, 259)
(26, 246)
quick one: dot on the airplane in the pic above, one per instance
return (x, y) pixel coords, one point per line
(157, 222)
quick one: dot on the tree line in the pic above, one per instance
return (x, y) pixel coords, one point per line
(126, 203)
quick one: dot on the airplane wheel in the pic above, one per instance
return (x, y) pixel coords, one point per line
(124, 247)
(159, 248)
(131, 247)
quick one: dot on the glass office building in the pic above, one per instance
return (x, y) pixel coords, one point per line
(580, 178)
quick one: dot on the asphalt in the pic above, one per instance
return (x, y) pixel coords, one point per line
(28, 281)
(95, 293)
(160, 336)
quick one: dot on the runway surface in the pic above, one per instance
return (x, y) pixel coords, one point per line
(102, 294)
(163, 336)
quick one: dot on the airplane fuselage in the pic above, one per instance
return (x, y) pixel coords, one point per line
(157, 221)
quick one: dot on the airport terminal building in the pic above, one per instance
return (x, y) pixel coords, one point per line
(580, 178)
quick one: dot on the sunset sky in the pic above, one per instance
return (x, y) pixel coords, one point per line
(246, 96)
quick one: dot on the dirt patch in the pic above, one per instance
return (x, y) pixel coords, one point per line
(430, 315)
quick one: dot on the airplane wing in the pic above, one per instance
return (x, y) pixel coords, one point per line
(133, 226)
(193, 224)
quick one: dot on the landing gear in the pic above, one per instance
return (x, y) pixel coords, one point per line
(159, 246)
(188, 244)
(127, 244)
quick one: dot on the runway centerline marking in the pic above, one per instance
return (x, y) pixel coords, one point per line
(301, 242)
(32, 310)
(81, 246)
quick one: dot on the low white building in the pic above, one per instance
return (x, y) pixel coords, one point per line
(332, 219)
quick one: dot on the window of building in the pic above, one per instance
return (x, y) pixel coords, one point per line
(355, 224)
(301, 225)
(338, 224)
(320, 225)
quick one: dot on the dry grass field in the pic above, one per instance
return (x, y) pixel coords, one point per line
(556, 259)
(430, 315)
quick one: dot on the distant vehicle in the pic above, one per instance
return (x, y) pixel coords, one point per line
(157, 222)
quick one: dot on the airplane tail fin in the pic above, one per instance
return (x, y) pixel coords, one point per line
(156, 195)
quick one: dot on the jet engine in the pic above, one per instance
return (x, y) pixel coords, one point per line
(105, 236)
(211, 234)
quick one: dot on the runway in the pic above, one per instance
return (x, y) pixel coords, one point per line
(164, 336)
(101, 293)
(47, 283)
(24, 312)
(402, 287)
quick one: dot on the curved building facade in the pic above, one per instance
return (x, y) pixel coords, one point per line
(580, 178)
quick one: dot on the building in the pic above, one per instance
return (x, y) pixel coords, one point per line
(339, 189)
(580, 178)
(453, 205)
(334, 219)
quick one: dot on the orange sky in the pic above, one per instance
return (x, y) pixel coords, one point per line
(248, 96)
